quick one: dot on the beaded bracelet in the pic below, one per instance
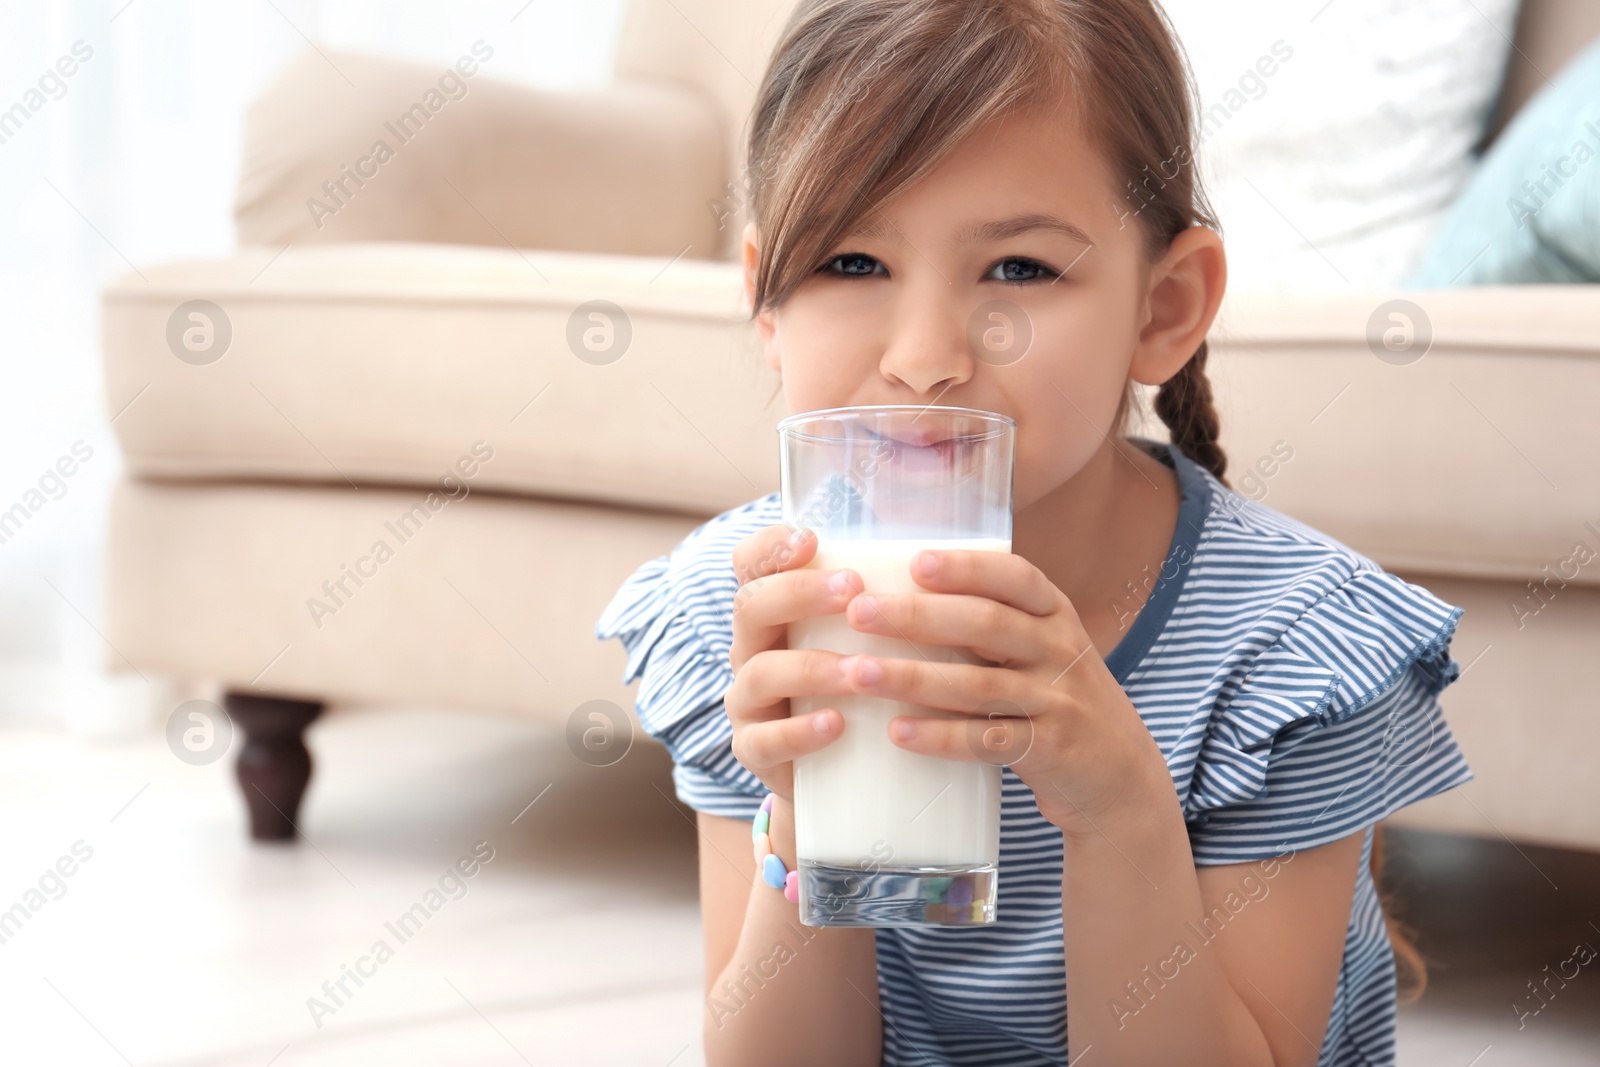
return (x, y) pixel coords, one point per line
(773, 871)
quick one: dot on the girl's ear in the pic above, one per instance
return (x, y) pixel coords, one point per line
(766, 323)
(1186, 287)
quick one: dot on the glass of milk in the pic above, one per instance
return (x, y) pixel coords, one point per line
(884, 836)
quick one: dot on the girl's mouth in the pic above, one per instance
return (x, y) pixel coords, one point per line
(923, 449)
(918, 457)
(919, 452)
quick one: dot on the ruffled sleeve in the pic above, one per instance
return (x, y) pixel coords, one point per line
(1334, 725)
(674, 616)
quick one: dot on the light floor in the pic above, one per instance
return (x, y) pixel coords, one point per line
(177, 943)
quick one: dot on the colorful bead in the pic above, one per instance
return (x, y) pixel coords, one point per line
(763, 847)
(766, 801)
(791, 887)
(761, 824)
(772, 871)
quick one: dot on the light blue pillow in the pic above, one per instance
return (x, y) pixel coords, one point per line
(1531, 213)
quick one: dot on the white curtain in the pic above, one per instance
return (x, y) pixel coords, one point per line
(119, 141)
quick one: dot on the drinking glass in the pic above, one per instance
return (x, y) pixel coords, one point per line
(884, 836)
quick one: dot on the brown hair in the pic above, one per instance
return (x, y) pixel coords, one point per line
(865, 97)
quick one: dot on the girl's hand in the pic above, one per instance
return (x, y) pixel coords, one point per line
(774, 591)
(1046, 705)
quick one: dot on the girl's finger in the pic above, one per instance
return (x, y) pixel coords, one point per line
(772, 549)
(962, 687)
(994, 631)
(998, 741)
(1002, 576)
(761, 690)
(764, 608)
(774, 743)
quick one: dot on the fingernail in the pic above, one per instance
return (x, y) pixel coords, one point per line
(840, 583)
(868, 671)
(798, 538)
(820, 721)
(902, 729)
(867, 608)
(927, 563)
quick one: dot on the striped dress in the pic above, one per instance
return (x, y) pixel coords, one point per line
(1291, 684)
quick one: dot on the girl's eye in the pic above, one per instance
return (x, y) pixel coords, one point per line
(854, 264)
(1018, 269)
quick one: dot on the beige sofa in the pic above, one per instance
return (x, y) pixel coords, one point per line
(406, 371)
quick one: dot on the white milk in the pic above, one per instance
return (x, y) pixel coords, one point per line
(863, 792)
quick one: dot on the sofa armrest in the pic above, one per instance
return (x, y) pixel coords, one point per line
(358, 148)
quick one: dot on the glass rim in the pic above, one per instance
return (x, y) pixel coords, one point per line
(788, 426)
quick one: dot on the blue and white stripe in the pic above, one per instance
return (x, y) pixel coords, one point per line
(1291, 684)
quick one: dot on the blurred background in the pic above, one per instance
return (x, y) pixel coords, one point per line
(1413, 310)
(135, 161)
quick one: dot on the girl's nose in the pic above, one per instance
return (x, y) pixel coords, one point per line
(927, 349)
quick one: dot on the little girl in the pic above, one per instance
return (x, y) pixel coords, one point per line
(1221, 702)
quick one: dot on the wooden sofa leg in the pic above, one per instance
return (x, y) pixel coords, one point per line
(274, 765)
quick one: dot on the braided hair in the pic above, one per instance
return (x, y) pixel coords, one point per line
(1184, 404)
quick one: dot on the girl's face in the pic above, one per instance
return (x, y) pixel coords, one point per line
(1013, 278)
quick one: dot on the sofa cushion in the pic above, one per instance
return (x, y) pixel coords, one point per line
(1332, 140)
(1471, 453)
(382, 364)
(1532, 210)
